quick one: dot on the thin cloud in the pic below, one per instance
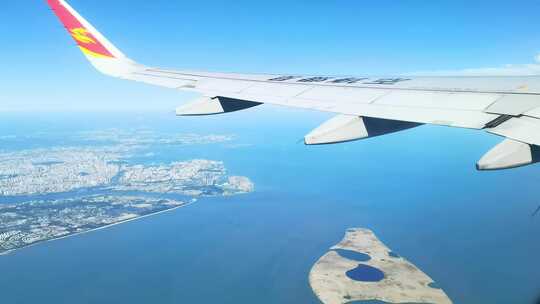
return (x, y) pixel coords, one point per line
(530, 69)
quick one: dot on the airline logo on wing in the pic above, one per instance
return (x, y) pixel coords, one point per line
(87, 42)
(82, 35)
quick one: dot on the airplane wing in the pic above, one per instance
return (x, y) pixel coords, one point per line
(364, 106)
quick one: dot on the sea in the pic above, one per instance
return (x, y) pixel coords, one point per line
(473, 232)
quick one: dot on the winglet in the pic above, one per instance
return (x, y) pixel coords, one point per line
(97, 49)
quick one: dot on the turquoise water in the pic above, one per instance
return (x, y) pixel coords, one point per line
(417, 190)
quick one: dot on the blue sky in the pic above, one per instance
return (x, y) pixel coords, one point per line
(42, 70)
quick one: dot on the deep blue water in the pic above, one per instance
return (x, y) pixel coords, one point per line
(365, 273)
(353, 255)
(417, 190)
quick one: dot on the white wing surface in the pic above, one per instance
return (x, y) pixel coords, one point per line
(364, 106)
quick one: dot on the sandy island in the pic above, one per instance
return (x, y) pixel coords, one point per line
(402, 283)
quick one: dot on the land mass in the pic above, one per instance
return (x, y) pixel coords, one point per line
(33, 222)
(362, 268)
(42, 171)
(40, 189)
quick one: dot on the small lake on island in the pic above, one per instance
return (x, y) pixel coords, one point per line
(353, 255)
(365, 273)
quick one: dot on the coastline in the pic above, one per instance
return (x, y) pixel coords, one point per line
(11, 251)
(7, 252)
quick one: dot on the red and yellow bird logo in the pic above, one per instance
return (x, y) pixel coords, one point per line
(82, 35)
(90, 44)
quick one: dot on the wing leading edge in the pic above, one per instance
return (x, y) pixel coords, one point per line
(364, 106)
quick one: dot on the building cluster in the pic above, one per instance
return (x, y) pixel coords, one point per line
(31, 222)
(237, 184)
(54, 171)
(64, 170)
(106, 178)
(195, 177)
